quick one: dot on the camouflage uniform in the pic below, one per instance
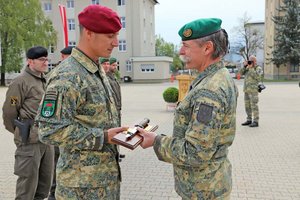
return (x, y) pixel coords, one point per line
(116, 92)
(76, 111)
(204, 128)
(33, 159)
(253, 76)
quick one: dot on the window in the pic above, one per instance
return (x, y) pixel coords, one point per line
(122, 45)
(72, 43)
(70, 4)
(96, 2)
(147, 68)
(123, 22)
(71, 24)
(51, 48)
(128, 66)
(121, 2)
(47, 6)
(294, 68)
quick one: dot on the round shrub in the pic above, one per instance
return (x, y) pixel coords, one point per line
(170, 95)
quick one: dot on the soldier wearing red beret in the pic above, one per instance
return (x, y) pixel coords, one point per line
(79, 115)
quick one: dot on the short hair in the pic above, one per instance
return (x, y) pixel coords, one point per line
(220, 42)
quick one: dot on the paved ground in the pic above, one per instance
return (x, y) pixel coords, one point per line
(266, 160)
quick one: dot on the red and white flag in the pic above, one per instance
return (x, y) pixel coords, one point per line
(62, 10)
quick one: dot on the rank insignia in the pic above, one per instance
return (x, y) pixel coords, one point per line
(187, 33)
(204, 114)
(13, 100)
(49, 104)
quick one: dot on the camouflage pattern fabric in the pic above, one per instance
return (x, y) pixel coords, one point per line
(204, 128)
(79, 110)
(253, 76)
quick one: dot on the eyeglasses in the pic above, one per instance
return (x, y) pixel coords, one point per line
(43, 60)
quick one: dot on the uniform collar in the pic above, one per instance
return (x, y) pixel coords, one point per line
(35, 74)
(209, 70)
(86, 61)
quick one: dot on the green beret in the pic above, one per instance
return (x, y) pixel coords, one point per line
(103, 60)
(112, 60)
(200, 28)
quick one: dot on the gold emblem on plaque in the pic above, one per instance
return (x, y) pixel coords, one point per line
(187, 32)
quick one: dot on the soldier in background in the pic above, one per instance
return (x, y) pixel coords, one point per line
(253, 77)
(65, 53)
(78, 113)
(205, 120)
(33, 159)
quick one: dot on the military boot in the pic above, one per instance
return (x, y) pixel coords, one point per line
(246, 123)
(254, 124)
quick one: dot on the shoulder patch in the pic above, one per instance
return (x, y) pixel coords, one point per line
(204, 114)
(13, 100)
(49, 103)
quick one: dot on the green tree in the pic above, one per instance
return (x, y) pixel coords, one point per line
(249, 39)
(286, 49)
(22, 25)
(163, 48)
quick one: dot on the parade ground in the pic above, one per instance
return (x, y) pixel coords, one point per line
(265, 160)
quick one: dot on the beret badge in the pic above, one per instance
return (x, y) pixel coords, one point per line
(187, 33)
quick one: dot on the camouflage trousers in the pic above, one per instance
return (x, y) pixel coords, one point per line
(71, 193)
(251, 106)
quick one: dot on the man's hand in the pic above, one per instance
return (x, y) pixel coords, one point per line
(148, 138)
(114, 131)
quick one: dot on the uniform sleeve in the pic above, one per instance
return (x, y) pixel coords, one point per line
(259, 73)
(67, 126)
(243, 70)
(12, 105)
(201, 138)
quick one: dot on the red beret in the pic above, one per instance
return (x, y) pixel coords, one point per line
(99, 19)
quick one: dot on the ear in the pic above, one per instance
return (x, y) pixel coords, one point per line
(88, 33)
(29, 62)
(209, 48)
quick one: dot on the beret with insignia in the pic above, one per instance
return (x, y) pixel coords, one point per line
(99, 19)
(112, 60)
(36, 52)
(66, 50)
(200, 28)
(103, 60)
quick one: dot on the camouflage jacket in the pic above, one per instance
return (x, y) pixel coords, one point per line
(116, 89)
(253, 76)
(204, 128)
(75, 112)
(23, 97)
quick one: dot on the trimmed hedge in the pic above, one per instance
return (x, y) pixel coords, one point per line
(170, 95)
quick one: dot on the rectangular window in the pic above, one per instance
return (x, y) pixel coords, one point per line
(47, 6)
(147, 68)
(71, 24)
(122, 45)
(72, 43)
(294, 68)
(51, 48)
(128, 66)
(96, 2)
(123, 22)
(121, 2)
(70, 4)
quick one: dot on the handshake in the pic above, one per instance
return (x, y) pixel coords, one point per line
(141, 134)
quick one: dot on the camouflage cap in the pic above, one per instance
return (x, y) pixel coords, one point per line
(200, 28)
(103, 60)
(112, 60)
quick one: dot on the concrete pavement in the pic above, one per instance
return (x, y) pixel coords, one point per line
(266, 160)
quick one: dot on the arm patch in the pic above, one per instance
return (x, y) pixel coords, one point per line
(204, 114)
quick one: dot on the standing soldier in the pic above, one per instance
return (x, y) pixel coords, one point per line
(33, 159)
(65, 53)
(78, 113)
(253, 77)
(204, 122)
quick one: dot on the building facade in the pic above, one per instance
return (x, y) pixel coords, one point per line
(136, 51)
(271, 71)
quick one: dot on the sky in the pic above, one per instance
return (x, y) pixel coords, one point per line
(171, 15)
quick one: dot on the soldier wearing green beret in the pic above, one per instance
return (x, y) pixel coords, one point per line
(253, 77)
(79, 115)
(205, 120)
